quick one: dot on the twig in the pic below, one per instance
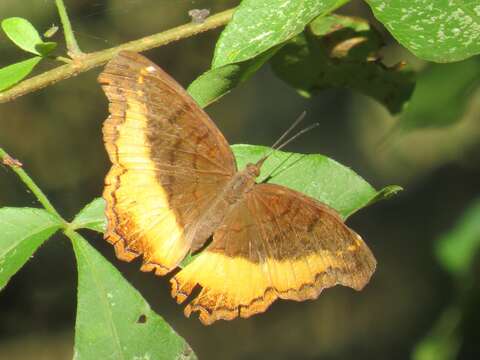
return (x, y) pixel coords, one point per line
(95, 59)
(16, 166)
(72, 45)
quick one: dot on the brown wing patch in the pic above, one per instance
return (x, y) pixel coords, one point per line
(277, 243)
(169, 162)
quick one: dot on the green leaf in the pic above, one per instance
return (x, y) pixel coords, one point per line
(23, 230)
(327, 24)
(342, 52)
(215, 83)
(259, 25)
(45, 48)
(346, 37)
(12, 74)
(457, 249)
(91, 217)
(113, 320)
(22, 33)
(434, 30)
(441, 95)
(322, 178)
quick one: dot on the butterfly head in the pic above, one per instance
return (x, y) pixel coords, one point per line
(254, 169)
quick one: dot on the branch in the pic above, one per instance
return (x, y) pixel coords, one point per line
(95, 59)
(72, 45)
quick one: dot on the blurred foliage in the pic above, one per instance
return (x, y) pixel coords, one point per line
(440, 100)
(340, 51)
(438, 126)
(456, 251)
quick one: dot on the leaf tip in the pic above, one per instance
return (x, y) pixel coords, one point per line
(386, 193)
(389, 191)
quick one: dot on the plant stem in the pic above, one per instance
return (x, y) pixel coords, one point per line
(72, 45)
(95, 59)
(27, 180)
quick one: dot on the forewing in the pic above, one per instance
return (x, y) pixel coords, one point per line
(169, 162)
(277, 243)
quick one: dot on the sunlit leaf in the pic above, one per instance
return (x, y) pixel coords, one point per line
(434, 30)
(457, 249)
(441, 95)
(113, 320)
(12, 74)
(23, 230)
(22, 33)
(342, 52)
(322, 178)
(259, 25)
(215, 83)
(91, 216)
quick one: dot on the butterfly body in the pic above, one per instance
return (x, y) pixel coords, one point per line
(234, 191)
(174, 183)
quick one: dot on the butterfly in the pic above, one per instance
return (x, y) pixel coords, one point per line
(174, 184)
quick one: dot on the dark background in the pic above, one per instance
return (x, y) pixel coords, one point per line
(56, 133)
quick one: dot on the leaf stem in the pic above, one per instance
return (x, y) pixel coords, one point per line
(95, 59)
(72, 235)
(16, 166)
(72, 45)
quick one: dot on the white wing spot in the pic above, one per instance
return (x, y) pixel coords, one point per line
(150, 69)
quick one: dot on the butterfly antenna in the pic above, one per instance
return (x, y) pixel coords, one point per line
(301, 132)
(276, 147)
(293, 126)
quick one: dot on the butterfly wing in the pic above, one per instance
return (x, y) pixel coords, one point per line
(276, 243)
(169, 162)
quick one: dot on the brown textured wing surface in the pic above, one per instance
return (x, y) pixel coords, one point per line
(277, 243)
(169, 161)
